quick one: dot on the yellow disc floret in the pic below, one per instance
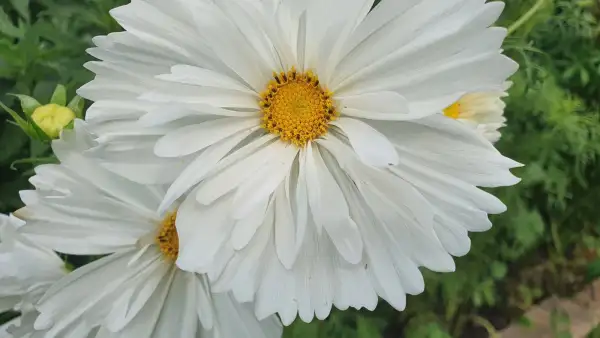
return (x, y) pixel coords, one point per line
(52, 118)
(296, 107)
(167, 238)
(453, 111)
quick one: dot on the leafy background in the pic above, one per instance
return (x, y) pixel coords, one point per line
(546, 244)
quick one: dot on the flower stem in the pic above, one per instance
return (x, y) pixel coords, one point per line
(525, 17)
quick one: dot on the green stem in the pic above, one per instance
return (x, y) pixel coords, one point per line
(525, 17)
(489, 327)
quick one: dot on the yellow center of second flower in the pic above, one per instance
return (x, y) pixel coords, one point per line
(167, 238)
(296, 107)
(453, 111)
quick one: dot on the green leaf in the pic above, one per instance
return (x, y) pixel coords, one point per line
(59, 96)
(28, 103)
(76, 105)
(22, 7)
(18, 119)
(7, 27)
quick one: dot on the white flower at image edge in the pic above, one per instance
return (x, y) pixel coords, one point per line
(483, 111)
(27, 270)
(306, 139)
(80, 208)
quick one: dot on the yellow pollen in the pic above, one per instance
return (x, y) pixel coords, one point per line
(296, 107)
(453, 111)
(167, 238)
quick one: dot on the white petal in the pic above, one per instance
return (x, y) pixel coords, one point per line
(245, 228)
(201, 166)
(384, 103)
(203, 77)
(238, 173)
(191, 139)
(285, 229)
(329, 208)
(265, 180)
(202, 230)
(371, 146)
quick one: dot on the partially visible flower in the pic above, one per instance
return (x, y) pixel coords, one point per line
(52, 118)
(45, 122)
(483, 111)
(136, 290)
(26, 271)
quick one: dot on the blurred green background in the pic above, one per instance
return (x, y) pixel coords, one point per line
(546, 244)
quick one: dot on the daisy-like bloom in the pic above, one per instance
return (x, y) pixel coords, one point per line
(483, 111)
(305, 139)
(27, 270)
(136, 290)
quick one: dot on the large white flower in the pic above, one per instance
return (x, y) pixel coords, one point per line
(306, 138)
(483, 111)
(27, 270)
(136, 291)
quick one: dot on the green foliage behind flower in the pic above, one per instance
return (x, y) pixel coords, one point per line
(547, 242)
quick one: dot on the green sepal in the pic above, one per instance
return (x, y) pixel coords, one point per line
(77, 105)
(19, 121)
(71, 125)
(59, 96)
(39, 133)
(28, 103)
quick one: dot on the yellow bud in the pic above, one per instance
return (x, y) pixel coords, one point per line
(52, 118)
(453, 111)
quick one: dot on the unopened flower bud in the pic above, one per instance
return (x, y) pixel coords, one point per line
(52, 118)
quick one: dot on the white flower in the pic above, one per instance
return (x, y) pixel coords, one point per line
(483, 111)
(27, 270)
(306, 139)
(136, 291)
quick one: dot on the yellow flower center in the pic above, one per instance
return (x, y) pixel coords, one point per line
(52, 118)
(453, 111)
(296, 107)
(167, 239)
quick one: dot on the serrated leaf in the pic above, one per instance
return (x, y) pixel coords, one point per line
(28, 103)
(59, 96)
